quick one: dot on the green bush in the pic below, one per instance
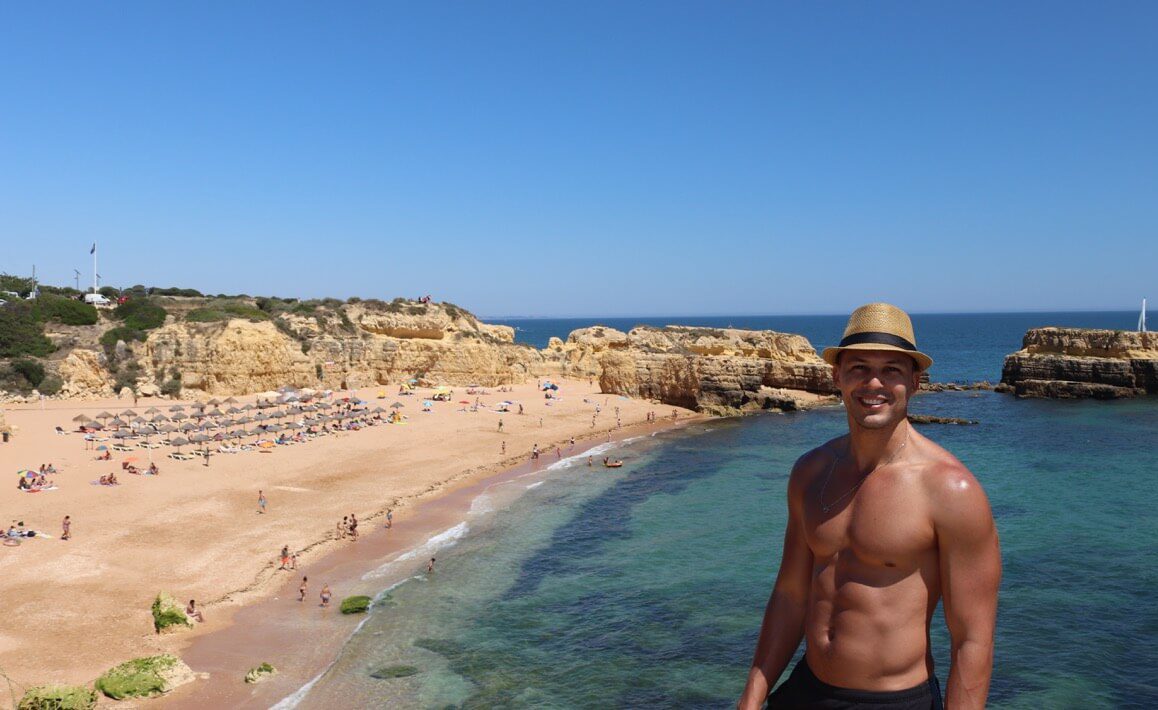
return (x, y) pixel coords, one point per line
(21, 332)
(355, 605)
(18, 284)
(188, 292)
(226, 311)
(31, 370)
(110, 337)
(109, 292)
(171, 388)
(141, 314)
(50, 385)
(167, 612)
(64, 310)
(58, 697)
(138, 678)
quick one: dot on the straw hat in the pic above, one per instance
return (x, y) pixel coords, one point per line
(879, 326)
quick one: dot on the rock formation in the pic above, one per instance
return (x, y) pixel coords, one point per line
(719, 371)
(1082, 363)
(372, 344)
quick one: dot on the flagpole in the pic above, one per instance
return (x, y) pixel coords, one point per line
(94, 276)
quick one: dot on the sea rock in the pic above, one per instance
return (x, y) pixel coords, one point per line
(930, 419)
(715, 370)
(145, 677)
(168, 615)
(58, 697)
(260, 673)
(358, 604)
(1083, 363)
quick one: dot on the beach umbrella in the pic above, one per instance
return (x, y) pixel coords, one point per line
(122, 435)
(230, 400)
(214, 402)
(104, 415)
(159, 418)
(188, 426)
(260, 417)
(198, 405)
(427, 403)
(82, 418)
(152, 410)
(177, 408)
(199, 438)
(102, 447)
(216, 413)
(274, 428)
(179, 416)
(397, 405)
(168, 429)
(179, 442)
(248, 408)
(117, 422)
(233, 410)
(463, 401)
(379, 410)
(128, 413)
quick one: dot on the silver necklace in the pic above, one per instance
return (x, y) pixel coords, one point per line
(825, 507)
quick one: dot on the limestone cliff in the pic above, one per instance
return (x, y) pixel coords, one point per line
(1079, 363)
(720, 371)
(371, 344)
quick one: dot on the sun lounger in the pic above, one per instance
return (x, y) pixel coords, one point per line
(120, 447)
(181, 457)
(148, 445)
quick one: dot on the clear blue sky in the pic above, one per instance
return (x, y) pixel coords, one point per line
(620, 158)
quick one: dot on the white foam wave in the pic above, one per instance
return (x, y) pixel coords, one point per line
(446, 538)
(484, 503)
(535, 485)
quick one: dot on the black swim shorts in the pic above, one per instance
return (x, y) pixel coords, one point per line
(804, 691)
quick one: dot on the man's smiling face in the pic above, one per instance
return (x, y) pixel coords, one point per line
(875, 385)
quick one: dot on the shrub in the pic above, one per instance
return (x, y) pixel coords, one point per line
(64, 310)
(138, 678)
(58, 697)
(226, 311)
(141, 314)
(171, 388)
(109, 292)
(31, 370)
(21, 333)
(355, 605)
(18, 284)
(167, 612)
(50, 385)
(127, 376)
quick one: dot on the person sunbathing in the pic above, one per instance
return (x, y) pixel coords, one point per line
(24, 484)
(106, 456)
(132, 469)
(153, 470)
(193, 612)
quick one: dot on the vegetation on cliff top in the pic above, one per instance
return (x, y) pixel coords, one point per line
(138, 678)
(58, 697)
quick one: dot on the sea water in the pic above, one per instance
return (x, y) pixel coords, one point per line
(581, 587)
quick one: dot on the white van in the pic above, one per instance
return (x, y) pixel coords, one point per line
(97, 299)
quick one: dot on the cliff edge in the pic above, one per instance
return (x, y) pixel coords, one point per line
(1082, 363)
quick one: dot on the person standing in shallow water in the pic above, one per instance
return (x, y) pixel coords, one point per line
(882, 524)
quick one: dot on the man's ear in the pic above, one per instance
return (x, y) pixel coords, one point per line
(836, 374)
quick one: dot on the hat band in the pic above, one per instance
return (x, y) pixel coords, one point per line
(878, 339)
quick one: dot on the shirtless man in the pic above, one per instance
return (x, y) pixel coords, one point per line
(882, 523)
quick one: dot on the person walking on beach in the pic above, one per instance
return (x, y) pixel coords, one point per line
(882, 524)
(353, 527)
(285, 557)
(302, 589)
(500, 426)
(325, 595)
(66, 528)
(430, 567)
(503, 449)
(260, 502)
(343, 526)
(389, 518)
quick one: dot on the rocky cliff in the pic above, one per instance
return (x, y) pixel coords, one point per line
(719, 371)
(369, 345)
(1081, 363)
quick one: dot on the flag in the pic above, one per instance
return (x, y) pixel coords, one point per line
(93, 250)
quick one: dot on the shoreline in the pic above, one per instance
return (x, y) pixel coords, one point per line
(271, 629)
(81, 606)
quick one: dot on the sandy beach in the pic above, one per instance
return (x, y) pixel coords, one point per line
(75, 608)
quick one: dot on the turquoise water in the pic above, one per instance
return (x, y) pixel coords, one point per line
(646, 585)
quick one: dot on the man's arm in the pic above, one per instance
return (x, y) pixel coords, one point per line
(783, 625)
(970, 561)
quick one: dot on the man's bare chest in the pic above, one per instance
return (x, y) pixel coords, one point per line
(886, 522)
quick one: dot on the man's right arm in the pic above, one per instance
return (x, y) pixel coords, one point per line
(783, 625)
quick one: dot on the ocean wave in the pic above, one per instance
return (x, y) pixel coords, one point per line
(446, 538)
(535, 485)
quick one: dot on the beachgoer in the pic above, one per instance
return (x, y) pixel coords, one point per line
(193, 612)
(882, 525)
(500, 425)
(558, 453)
(353, 527)
(430, 567)
(284, 557)
(293, 560)
(344, 527)
(66, 527)
(389, 518)
(520, 409)
(260, 501)
(588, 461)
(325, 595)
(572, 442)
(302, 589)
(540, 421)
(503, 449)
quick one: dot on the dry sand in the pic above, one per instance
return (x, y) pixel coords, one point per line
(75, 608)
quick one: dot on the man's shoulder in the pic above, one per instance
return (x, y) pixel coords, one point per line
(953, 491)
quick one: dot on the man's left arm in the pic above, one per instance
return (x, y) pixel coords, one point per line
(970, 562)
